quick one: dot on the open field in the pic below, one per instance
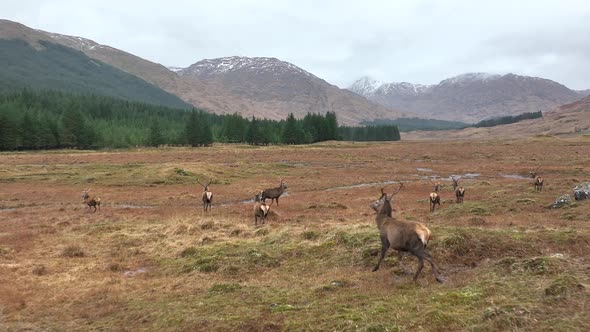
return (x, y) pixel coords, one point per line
(152, 260)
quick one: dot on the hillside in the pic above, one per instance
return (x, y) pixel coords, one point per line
(469, 97)
(57, 67)
(37, 60)
(273, 88)
(567, 120)
(252, 94)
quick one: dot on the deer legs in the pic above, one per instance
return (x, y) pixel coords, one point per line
(423, 255)
(384, 247)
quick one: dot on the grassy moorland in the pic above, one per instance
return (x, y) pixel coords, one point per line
(152, 260)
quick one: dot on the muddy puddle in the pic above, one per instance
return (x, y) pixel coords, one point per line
(514, 176)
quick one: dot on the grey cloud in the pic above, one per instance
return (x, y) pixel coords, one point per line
(416, 41)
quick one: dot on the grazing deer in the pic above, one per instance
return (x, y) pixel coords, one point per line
(260, 209)
(460, 193)
(455, 182)
(207, 195)
(538, 180)
(274, 193)
(403, 236)
(91, 201)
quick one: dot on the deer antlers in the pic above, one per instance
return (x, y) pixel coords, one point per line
(401, 185)
(204, 185)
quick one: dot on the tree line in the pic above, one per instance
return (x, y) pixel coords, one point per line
(508, 119)
(32, 120)
(370, 133)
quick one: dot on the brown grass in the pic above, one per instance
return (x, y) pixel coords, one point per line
(152, 260)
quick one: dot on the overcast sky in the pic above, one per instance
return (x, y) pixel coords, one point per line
(339, 41)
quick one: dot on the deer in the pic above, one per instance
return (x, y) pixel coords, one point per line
(403, 236)
(274, 193)
(260, 209)
(91, 201)
(434, 196)
(460, 193)
(455, 182)
(207, 195)
(435, 185)
(538, 180)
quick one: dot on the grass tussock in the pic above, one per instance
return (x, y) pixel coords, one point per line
(72, 251)
(564, 286)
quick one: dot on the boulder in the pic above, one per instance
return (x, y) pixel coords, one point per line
(561, 201)
(582, 191)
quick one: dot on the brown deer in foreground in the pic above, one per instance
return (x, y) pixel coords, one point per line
(260, 209)
(460, 193)
(91, 201)
(403, 236)
(274, 193)
(207, 195)
(538, 180)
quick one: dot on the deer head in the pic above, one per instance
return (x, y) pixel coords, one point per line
(533, 172)
(455, 181)
(283, 183)
(85, 193)
(205, 186)
(435, 185)
(378, 204)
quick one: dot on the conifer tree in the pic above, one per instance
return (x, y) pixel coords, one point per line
(155, 135)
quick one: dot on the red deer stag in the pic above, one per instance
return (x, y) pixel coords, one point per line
(455, 182)
(434, 196)
(403, 236)
(260, 209)
(207, 195)
(538, 180)
(460, 193)
(274, 193)
(91, 201)
(435, 186)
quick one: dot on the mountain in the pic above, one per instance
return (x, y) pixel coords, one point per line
(269, 87)
(567, 120)
(584, 92)
(470, 97)
(263, 93)
(31, 60)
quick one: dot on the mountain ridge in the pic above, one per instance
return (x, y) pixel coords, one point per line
(470, 97)
(223, 95)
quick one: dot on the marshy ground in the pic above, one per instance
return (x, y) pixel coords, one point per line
(152, 260)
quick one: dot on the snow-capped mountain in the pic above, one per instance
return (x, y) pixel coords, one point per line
(272, 88)
(470, 97)
(235, 64)
(365, 86)
(176, 69)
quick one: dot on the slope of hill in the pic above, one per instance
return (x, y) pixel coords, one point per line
(293, 91)
(57, 67)
(270, 87)
(470, 97)
(32, 58)
(567, 120)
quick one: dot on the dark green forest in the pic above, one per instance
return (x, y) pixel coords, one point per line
(411, 124)
(370, 133)
(32, 120)
(61, 68)
(508, 119)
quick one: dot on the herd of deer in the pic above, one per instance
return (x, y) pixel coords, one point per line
(400, 235)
